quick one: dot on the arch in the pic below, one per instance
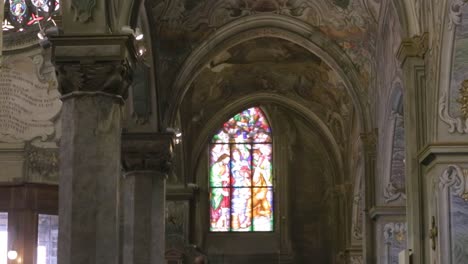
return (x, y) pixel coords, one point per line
(213, 123)
(276, 26)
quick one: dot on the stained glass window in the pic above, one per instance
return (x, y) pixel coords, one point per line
(241, 180)
(21, 14)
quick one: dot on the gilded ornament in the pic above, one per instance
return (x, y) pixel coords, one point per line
(463, 98)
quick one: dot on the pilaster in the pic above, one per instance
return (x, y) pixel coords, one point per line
(412, 57)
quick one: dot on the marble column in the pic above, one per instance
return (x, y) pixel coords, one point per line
(93, 77)
(147, 161)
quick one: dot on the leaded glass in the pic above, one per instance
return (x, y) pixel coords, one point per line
(20, 14)
(241, 180)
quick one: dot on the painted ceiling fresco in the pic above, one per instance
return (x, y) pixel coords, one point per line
(183, 24)
(275, 66)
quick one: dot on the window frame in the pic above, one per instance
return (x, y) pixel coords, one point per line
(274, 195)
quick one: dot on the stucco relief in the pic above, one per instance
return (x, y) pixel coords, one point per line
(452, 201)
(29, 99)
(450, 107)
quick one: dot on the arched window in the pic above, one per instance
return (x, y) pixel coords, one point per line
(21, 14)
(241, 179)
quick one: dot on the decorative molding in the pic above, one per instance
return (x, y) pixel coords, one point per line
(83, 9)
(455, 178)
(447, 229)
(455, 12)
(147, 151)
(463, 99)
(456, 124)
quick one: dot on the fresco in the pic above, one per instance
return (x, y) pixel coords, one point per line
(182, 24)
(278, 66)
(394, 238)
(459, 229)
(460, 63)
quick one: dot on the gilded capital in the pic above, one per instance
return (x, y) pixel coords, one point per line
(416, 46)
(147, 152)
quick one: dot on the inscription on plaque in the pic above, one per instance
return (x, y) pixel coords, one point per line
(28, 106)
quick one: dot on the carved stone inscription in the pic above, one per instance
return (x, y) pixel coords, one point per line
(27, 105)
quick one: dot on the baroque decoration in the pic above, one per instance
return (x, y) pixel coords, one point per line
(21, 14)
(454, 91)
(450, 225)
(241, 180)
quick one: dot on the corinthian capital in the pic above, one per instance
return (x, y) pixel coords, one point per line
(96, 63)
(416, 46)
(147, 152)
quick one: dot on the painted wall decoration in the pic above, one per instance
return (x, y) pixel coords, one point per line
(452, 99)
(452, 199)
(460, 63)
(396, 189)
(394, 241)
(183, 24)
(241, 180)
(277, 66)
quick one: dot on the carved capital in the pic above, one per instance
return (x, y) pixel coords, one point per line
(147, 152)
(110, 78)
(93, 64)
(416, 46)
(83, 9)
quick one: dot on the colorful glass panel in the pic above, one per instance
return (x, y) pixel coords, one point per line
(220, 209)
(248, 126)
(262, 169)
(262, 209)
(241, 180)
(241, 213)
(24, 13)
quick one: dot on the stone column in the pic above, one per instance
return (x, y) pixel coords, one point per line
(147, 161)
(93, 78)
(411, 55)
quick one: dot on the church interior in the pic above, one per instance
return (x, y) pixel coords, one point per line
(234, 132)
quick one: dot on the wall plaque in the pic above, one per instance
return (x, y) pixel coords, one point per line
(28, 106)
